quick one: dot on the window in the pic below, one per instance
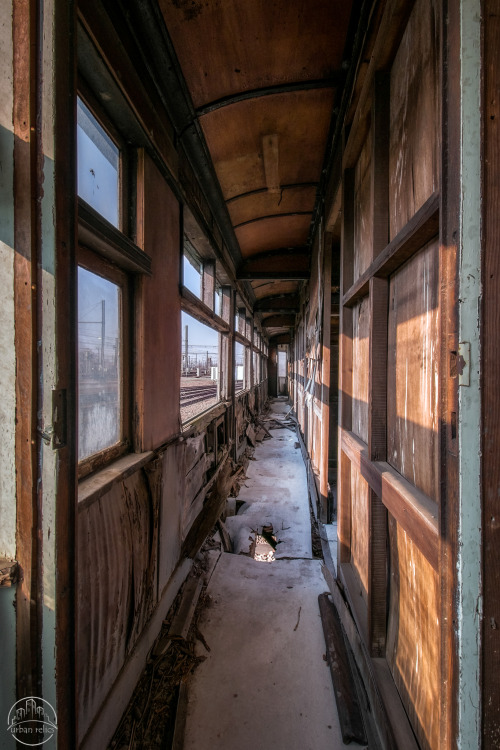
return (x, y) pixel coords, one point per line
(103, 393)
(107, 260)
(282, 359)
(191, 274)
(200, 368)
(98, 166)
(218, 301)
(239, 367)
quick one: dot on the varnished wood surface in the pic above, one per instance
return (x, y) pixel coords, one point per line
(421, 228)
(413, 635)
(234, 137)
(412, 371)
(360, 367)
(414, 167)
(363, 209)
(253, 45)
(158, 346)
(415, 512)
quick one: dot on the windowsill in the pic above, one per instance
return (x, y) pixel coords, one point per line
(201, 420)
(94, 487)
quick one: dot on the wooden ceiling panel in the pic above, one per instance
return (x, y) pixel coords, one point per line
(268, 234)
(228, 46)
(273, 288)
(268, 203)
(234, 135)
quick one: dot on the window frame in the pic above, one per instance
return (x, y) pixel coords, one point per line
(124, 167)
(112, 253)
(96, 264)
(204, 313)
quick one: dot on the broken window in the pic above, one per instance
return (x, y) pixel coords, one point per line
(200, 367)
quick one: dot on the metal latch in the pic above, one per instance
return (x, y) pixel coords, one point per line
(59, 433)
(463, 364)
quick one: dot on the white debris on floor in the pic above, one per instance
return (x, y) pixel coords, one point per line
(265, 682)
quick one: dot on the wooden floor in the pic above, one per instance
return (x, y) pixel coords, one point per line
(265, 682)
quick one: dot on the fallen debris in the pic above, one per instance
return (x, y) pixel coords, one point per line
(155, 717)
(250, 433)
(227, 545)
(298, 620)
(182, 620)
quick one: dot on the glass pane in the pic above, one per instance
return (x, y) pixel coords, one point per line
(239, 367)
(282, 364)
(99, 363)
(218, 302)
(200, 367)
(98, 164)
(191, 277)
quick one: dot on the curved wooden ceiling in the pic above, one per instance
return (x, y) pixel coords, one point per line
(263, 76)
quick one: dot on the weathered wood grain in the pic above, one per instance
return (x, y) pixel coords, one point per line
(360, 367)
(349, 709)
(157, 347)
(413, 635)
(360, 530)
(415, 512)
(363, 209)
(414, 164)
(412, 371)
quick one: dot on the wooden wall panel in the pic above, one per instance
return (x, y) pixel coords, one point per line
(170, 534)
(363, 209)
(117, 562)
(158, 326)
(414, 121)
(414, 635)
(360, 368)
(412, 377)
(360, 526)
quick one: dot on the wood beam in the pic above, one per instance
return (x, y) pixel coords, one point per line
(281, 88)
(273, 216)
(283, 263)
(416, 513)
(421, 228)
(191, 304)
(280, 338)
(293, 186)
(271, 158)
(282, 303)
(274, 321)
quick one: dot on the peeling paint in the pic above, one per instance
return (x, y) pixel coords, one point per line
(469, 546)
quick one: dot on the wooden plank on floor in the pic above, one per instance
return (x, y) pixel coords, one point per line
(182, 619)
(349, 710)
(390, 735)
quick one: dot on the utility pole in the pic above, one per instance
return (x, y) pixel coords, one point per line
(186, 362)
(103, 332)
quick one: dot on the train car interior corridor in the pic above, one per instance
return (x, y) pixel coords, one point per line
(249, 477)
